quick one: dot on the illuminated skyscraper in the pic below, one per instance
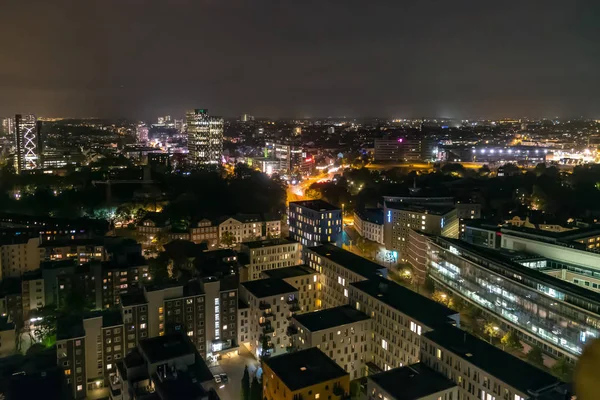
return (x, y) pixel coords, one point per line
(142, 133)
(205, 137)
(26, 143)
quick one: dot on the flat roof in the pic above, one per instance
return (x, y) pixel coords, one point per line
(316, 205)
(268, 287)
(412, 382)
(412, 304)
(69, 327)
(424, 209)
(161, 348)
(133, 298)
(373, 215)
(269, 242)
(348, 260)
(329, 318)
(289, 272)
(509, 369)
(304, 368)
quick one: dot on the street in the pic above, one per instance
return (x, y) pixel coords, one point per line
(234, 368)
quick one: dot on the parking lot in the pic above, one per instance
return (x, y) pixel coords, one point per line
(233, 366)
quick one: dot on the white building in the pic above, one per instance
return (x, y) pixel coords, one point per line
(264, 255)
(250, 227)
(369, 224)
(18, 255)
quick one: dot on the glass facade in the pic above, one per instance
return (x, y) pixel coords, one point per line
(541, 307)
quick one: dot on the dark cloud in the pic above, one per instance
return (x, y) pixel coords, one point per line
(141, 58)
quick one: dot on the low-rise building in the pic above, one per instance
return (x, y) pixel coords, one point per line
(313, 222)
(338, 268)
(305, 374)
(305, 280)
(250, 227)
(342, 333)
(271, 303)
(399, 317)
(205, 231)
(263, 255)
(81, 250)
(369, 224)
(413, 382)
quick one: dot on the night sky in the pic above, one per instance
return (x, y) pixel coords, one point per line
(144, 58)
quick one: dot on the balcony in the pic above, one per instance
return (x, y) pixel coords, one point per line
(294, 307)
(268, 329)
(267, 313)
(264, 306)
(292, 330)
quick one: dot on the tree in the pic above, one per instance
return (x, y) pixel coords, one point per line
(256, 390)
(491, 330)
(355, 389)
(228, 239)
(563, 369)
(511, 341)
(443, 298)
(534, 356)
(428, 285)
(159, 268)
(45, 328)
(245, 392)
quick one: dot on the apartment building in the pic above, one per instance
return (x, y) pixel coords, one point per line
(81, 250)
(413, 382)
(400, 218)
(369, 224)
(33, 292)
(483, 371)
(305, 374)
(263, 255)
(271, 303)
(152, 225)
(205, 310)
(134, 312)
(122, 278)
(250, 227)
(313, 222)
(11, 301)
(342, 333)
(399, 317)
(164, 367)
(305, 280)
(87, 349)
(18, 254)
(338, 268)
(205, 231)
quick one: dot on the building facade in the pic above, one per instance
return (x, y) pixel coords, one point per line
(264, 255)
(205, 138)
(313, 222)
(249, 227)
(369, 224)
(27, 143)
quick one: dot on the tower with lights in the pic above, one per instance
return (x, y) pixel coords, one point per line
(27, 143)
(205, 138)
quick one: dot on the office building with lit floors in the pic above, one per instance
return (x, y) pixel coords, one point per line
(270, 304)
(205, 138)
(339, 268)
(27, 143)
(400, 218)
(305, 280)
(264, 255)
(342, 333)
(305, 374)
(483, 371)
(399, 317)
(413, 382)
(313, 222)
(520, 291)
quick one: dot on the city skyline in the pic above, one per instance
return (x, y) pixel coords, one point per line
(470, 60)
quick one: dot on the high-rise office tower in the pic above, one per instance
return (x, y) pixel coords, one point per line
(205, 137)
(26, 142)
(142, 133)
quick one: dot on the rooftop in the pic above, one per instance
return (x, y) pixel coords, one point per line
(289, 272)
(268, 287)
(133, 298)
(509, 369)
(330, 318)
(373, 215)
(412, 382)
(423, 209)
(406, 301)
(69, 327)
(304, 368)
(316, 205)
(167, 347)
(348, 260)
(267, 243)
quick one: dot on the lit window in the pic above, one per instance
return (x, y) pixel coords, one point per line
(108, 366)
(384, 344)
(143, 326)
(438, 353)
(317, 395)
(79, 388)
